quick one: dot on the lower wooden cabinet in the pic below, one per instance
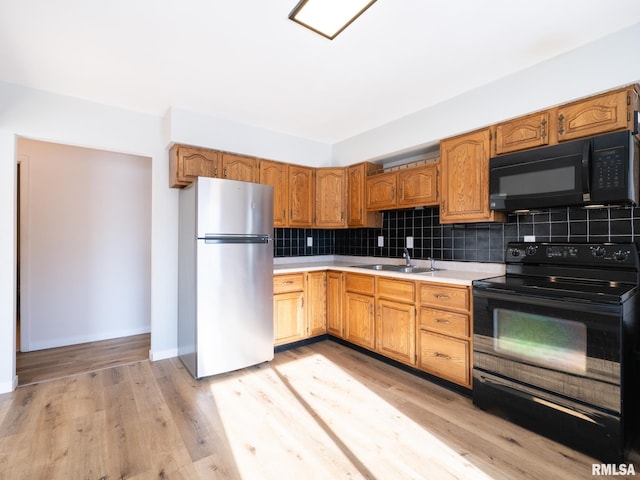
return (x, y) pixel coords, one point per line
(299, 306)
(444, 356)
(444, 332)
(396, 331)
(359, 320)
(335, 301)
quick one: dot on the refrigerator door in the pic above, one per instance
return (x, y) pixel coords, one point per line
(234, 306)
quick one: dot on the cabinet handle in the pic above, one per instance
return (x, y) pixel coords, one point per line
(543, 129)
(560, 126)
(284, 213)
(440, 320)
(288, 282)
(441, 296)
(442, 355)
(393, 193)
(225, 172)
(215, 172)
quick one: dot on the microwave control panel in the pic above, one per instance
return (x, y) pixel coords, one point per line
(609, 169)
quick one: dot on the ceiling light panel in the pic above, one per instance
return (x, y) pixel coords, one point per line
(328, 17)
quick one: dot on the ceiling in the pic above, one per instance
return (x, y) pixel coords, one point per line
(244, 61)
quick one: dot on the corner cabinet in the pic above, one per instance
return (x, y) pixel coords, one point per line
(330, 198)
(301, 194)
(464, 164)
(335, 300)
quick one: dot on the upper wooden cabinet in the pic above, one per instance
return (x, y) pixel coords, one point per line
(418, 185)
(357, 213)
(331, 198)
(381, 191)
(188, 163)
(408, 187)
(276, 174)
(239, 167)
(602, 113)
(301, 195)
(521, 133)
(464, 164)
(598, 114)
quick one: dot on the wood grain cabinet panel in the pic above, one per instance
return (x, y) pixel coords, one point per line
(522, 133)
(418, 186)
(239, 167)
(316, 290)
(276, 174)
(381, 191)
(464, 164)
(335, 300)
(598, 114)
(396, 330)
(301, 194)
(188, 163)
(357, 213)
(331, 198)
(360, 320)
(445, 357)
(289, 323)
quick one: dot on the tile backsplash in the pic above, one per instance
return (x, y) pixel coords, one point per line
(477, 242)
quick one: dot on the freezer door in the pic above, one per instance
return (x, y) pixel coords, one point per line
(234, 306)
(232, 207)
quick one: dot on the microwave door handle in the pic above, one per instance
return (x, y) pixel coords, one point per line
(586, 174)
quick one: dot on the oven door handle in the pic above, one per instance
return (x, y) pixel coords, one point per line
(563, 303)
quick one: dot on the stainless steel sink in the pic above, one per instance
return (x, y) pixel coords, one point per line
(397, 268)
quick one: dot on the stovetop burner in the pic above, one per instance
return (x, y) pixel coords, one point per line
(607, 272)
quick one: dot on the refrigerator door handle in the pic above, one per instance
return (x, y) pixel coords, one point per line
(230, 238)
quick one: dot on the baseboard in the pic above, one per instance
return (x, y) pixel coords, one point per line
(154, 356)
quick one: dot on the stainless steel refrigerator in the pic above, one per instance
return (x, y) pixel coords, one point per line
(225, 275)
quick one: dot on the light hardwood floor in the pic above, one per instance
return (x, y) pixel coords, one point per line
(322, 411)
(52, 363)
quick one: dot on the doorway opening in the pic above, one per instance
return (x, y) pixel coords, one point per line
(84, 255)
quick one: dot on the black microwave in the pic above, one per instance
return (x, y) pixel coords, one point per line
(601, 170)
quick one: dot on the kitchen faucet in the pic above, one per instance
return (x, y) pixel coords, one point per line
(407, 257)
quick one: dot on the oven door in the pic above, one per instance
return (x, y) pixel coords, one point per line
(570, 348)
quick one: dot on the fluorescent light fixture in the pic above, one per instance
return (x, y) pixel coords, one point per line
(328, 17)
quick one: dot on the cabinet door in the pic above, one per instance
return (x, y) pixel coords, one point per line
(288, 317)
(276, 174)
(300, 196)
(238, 167)
(335, 297)
(464, 163)
(418, 186)
(331, 197)
(188, 163)
(396, 331)
(595, 115)
(521, 133)
(359, 320)
(357, 213)
(445, 357)
(316, 290)
(381, 191)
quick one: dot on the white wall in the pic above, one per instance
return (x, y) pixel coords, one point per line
(200, 130)
(599, 66)
(85, 230)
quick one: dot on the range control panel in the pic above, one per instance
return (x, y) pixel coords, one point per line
(572, 253)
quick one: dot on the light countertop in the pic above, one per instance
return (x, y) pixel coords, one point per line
(460, 273)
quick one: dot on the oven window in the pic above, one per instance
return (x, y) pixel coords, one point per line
(540, 339)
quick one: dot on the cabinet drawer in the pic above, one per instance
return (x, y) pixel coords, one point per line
(434, 295)
(441, 321)
(359, 283)
(445, 357)
(293, 282)
(400, 290)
